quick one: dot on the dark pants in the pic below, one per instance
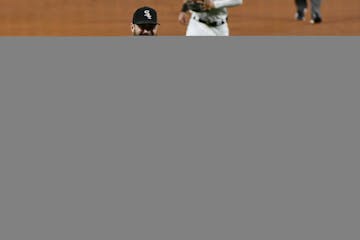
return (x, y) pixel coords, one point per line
(301, 4)
(315, 6)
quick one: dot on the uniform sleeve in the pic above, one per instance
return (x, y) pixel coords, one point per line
(227, 3)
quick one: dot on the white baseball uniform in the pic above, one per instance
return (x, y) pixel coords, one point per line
(213, 22)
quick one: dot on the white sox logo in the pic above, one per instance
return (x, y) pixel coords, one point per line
(147, 14)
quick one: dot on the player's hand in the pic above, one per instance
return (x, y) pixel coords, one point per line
(209, 4)
(182, 18)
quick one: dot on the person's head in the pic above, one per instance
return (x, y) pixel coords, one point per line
(144, 22)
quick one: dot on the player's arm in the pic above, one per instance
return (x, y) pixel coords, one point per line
(182, 18)
(226, 3)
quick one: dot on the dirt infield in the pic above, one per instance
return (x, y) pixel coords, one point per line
(112, 18)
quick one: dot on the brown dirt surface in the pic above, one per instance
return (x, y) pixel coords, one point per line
(113, 17)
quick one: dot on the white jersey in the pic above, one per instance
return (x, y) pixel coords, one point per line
(219, 14)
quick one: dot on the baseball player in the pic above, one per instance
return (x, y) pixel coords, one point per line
(207, 17)
(144, 22)
(301, 6)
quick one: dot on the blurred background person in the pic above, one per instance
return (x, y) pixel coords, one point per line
(302, 6)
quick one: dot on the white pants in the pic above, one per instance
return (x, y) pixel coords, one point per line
(196, 28)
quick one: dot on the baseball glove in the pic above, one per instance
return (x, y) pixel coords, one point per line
(196, 5)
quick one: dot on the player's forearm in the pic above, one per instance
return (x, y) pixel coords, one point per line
(227, 3)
